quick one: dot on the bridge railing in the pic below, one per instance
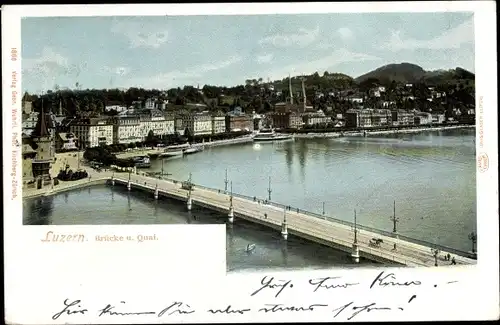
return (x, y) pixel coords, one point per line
(340, 221)
(350, 224)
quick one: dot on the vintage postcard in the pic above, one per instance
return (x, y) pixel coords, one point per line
(296, 162)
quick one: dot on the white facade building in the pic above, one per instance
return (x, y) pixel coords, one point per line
(127, 129)
(30, 122)
(198, 124)
(218, 124)
(93, 132)
(154, 120)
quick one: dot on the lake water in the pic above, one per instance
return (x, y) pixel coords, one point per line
(430, 175)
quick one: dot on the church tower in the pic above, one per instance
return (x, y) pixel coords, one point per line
(45, 151)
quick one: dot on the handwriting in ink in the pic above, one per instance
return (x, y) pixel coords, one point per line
(358, 309)
(108, 310)
(66, 310)
(328, 283)
(271, 283)
(176, 307)
(279, 307)
(384, 280)
(228, 310)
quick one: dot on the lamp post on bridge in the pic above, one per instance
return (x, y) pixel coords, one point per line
(225, 183)
(435, 253)
(323, 209)
(394, 220)
(230, 214)
(473, 239)
(269, 189)
(355, 247)
(189, 203)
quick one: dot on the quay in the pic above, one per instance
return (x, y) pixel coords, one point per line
(331, 232)
(156, 151)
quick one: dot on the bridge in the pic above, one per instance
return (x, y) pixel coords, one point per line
(356, 240)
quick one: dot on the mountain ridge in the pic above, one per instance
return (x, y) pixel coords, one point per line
(409, 72)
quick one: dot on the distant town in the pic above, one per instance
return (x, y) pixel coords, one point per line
(62, 120)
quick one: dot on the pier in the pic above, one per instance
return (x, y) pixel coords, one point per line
(356, 240)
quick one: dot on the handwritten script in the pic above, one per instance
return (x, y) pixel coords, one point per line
(260, 300)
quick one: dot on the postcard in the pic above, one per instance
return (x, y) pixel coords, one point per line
(275, 162)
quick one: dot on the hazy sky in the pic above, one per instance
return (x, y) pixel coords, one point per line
(164, 52)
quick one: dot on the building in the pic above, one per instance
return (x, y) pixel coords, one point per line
(257, 121)
(316, 118)
(27, 107)
(150, 103)
(438, 118)
(286, 107)
(118, 108)
(156, 121)
(295, 121)
(422, 118)
(235, 123)
(127, 129)
(288, 120)
(92, 132)
(355, 99)
(402, 117)
(218, 124)
(66, 141)
(198, 123)
(30, 121)
(28, 154)
(364, 118)
(179, 125)
(45, 152)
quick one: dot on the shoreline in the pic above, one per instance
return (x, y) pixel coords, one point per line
(244, 139)
(101, 178)
(314, 135)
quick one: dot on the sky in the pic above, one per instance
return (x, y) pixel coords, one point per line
(163, 52)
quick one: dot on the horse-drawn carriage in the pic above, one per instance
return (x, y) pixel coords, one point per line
(375, 242)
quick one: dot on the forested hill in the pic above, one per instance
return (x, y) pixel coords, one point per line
(412, 73)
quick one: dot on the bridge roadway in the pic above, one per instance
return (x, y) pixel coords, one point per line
(322, 231)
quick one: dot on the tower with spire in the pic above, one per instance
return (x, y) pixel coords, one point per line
(45, 151)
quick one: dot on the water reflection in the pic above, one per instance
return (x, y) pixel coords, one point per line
(38, 211)
(302, 154)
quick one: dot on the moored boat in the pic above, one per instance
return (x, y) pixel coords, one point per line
(142, 162)
(175, 150)
(269, 135)
(192, 150)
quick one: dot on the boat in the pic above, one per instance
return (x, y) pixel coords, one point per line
(192, 149)
(142, 162)
(270, 135)
(175, 150)
(250, 247)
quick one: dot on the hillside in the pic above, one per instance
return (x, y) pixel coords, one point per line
(410, 73)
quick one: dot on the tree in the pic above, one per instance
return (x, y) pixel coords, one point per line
(188, 134)
(151, 140)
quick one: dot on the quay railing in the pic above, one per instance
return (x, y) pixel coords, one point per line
(390, 234)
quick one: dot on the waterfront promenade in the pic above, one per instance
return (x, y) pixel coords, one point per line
(155, 151)
(313, 135)
(323, 231)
